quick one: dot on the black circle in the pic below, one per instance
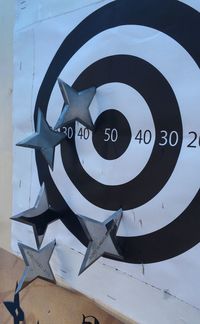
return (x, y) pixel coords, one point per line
(182, 23)
(111, 135)
(131, 194)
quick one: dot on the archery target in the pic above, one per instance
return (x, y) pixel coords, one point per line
(119, 167)
(142, 70)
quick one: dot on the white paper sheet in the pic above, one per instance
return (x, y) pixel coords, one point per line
(171, 285)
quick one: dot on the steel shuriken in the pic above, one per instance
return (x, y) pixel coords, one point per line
(15, 309)
(102, 238)
(39, 216)
(37, 264)
(45, 139)
(76, 106)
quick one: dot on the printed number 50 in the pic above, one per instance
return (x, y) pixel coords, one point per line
(111, 134)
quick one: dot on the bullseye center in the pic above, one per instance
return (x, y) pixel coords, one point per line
(112, 134)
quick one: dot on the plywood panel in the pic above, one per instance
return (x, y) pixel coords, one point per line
(43, 301)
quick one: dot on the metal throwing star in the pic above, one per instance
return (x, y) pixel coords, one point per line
(102, 237)
(39, 216)
(44, 139)
(15, 309)
(76, 106)
(37, 264)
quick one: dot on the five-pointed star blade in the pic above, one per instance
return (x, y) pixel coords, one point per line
(39, 217)
(102, 237)
(44, 139)
(37, 264)
(76, 106)
(15, 309)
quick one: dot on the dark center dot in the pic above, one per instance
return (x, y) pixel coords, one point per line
(112, 134)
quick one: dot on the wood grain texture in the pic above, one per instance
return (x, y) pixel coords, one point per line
(43, 301)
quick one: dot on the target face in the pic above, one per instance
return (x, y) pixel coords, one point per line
(143, 156)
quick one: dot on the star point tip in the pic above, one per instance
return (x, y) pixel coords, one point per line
(82, 269)
(59, 80)
(21, 143)
(39, 240)
(57, 125)
(51, 165)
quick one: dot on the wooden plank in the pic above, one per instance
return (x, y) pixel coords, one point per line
(44, 301)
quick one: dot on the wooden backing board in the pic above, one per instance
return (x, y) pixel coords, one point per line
(42, 301)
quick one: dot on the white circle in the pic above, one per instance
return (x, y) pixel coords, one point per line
(125, 168)
(182, 73)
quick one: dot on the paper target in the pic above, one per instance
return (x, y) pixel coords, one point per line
(143, 58)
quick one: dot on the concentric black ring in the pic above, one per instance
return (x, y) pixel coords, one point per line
(180, 22)
(154, 88)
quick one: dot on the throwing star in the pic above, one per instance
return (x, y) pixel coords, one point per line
(39, 217)
(102, 237)
(15, 309)
(76, 106)
(37, 264)
(44, 139)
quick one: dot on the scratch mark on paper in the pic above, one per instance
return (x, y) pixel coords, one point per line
(111, 297)
(143, 269)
